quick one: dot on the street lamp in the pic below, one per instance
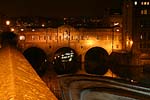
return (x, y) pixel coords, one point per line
(7, 25)
(12, 29)
(7, 22)
(113, 38)
(115, 28)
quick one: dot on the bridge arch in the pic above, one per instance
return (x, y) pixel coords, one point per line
(66, 61)
(37, 58)
(96, 61)
(119, 64)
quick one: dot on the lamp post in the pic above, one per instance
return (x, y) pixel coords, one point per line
(7, 25)
(113, 38)
(115, 28)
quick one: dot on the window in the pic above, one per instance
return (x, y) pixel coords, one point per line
(35, 37)
(145, 3)
(22, 37)
(59, 37)
(45, 38)
(144, 12)
(135, 3)
(41, 37)
(142, 3)
(71, 37)
(48, 37)
(141, 37)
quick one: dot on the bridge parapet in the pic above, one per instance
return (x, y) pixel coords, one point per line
(18, 80)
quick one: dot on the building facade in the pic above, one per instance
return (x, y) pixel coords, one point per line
(136, 14)
(51, 39)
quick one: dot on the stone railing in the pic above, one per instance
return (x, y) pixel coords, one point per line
(18, 80)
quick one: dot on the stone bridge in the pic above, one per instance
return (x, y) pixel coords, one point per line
(87, 44)
(79, 39)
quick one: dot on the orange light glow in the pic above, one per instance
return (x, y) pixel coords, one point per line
(12, 29)
(90, 42)
(22, 37)
(7, 22)
(129, 43)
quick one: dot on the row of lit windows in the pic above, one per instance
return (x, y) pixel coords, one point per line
(70, 38)
(33, 37)
(144, 12)
(145, 3)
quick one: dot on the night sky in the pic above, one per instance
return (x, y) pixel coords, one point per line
(56, 8)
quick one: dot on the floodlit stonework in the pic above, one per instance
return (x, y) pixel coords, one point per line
(18, 80)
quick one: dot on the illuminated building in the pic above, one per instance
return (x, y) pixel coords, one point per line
(137, 25)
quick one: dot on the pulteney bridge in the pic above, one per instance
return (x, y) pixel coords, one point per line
(87, 47)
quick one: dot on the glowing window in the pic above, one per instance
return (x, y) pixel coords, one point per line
(142, 25)
(22, 29)
(33, 37)
(142, 12)
(43, 25)
(142, 3)
(22, 37)
(48, 37)
(33, 30)
(135, 2)
(145, 11)
(145, 3)
(141, 37)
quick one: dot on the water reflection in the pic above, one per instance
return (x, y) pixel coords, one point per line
(65, 57)
(65, 61)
